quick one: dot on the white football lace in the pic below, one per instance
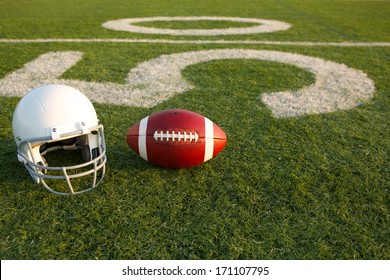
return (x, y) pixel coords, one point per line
(176, 136)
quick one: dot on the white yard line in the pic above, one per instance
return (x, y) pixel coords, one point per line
(166, 41)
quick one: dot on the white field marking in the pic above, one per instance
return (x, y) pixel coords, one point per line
(47, 68)
(209, 139)
(262, 26)
(200, 42)
(43, 70)
(143, 126)
(337, 86)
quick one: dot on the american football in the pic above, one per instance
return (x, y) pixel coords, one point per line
(176, 139)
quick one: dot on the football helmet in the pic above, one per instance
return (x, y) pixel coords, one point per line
(58, 117)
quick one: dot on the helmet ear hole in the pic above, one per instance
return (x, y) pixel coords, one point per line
(86, 153)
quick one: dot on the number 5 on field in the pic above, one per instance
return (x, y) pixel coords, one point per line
(337, 87)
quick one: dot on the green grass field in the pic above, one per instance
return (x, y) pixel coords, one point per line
(315, 186)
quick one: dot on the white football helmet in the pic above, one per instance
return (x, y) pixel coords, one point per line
(55, 117)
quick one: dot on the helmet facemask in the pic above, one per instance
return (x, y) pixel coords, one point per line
(90, 149)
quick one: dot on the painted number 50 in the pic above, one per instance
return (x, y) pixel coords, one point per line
(336, 87)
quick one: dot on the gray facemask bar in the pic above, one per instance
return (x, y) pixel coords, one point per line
(98, 163)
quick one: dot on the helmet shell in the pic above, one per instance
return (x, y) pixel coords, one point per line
(49, 107)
